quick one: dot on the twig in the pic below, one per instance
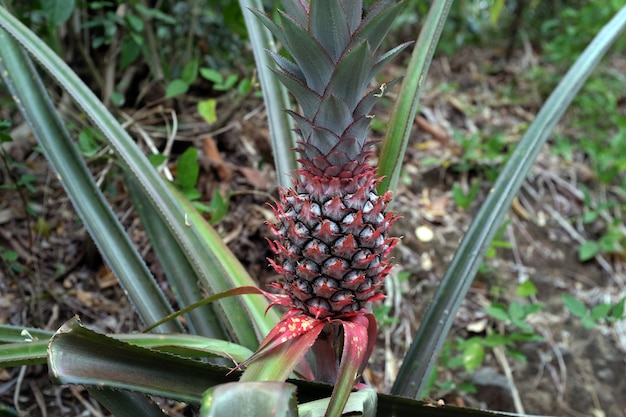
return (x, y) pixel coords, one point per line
(504, 363)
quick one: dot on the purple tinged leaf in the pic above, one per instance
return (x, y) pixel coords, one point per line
(308, 53)
(353, 10)
(270, 24)
(291, 69)
(356, 347)
(384, 59)
(368, 101)
(298, 9)
(307, 98)
(333, 114)
(376, 23)
(328, 23)
(351, 76)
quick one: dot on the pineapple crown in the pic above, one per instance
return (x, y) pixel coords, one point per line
(333, 60)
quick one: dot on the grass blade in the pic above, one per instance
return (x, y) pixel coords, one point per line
(424, 351)
(397, 135)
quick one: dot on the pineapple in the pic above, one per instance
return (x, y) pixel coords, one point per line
(332, 245)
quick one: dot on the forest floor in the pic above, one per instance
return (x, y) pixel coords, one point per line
(475, 108)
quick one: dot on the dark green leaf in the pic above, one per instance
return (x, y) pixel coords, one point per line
(157, 159)
(190, 71)
(588, 250)
(57, 11)
(77, 355)
(497, 311)
(134, 22)
(575, 306)
(212, 75)
(601, 311)
(188, 169)
(176, 88)
(328, 24)
(617, 312)
(308, 53)
(130, 51)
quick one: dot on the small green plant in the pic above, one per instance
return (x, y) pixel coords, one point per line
(9, 261)
(464, 199)
(613, 238)
(599, 314)
(482, 154)
(187, 173)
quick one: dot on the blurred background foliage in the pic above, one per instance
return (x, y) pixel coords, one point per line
(155, 40)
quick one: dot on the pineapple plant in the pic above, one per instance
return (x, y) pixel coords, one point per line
(332, 241)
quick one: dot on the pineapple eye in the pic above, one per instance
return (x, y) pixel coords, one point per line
(289, 214)
(303, 286)
(325, 281)
(321, 246)
(367, 232)
(341, 295)
(319, 303)
(367, 207)
(301, 229)
(361, 255)
(375, 263)
(352, 276)
(289, 267)
(311, 266)
(349, 219)
(316, 209)
(334, 228)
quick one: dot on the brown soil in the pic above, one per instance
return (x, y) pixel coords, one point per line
(573, 372)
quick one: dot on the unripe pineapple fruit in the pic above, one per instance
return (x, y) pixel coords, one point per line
(332, 245)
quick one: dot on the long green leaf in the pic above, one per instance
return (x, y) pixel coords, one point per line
(77, 355)
(112, 241)
(178, 270)
(424, 351)
(16, 351)
(214, 270)
(397, 135)
(24, 353)
(274, 94)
